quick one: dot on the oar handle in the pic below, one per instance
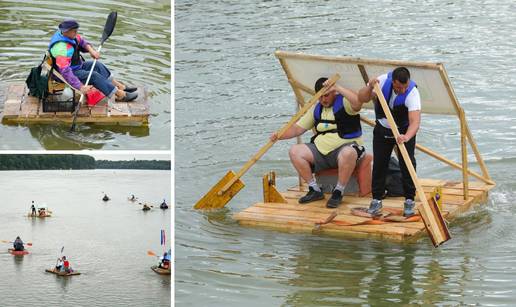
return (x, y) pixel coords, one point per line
(89, 75)
(292, 121)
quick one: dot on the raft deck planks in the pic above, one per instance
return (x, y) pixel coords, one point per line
(19, 108)
(293, 217)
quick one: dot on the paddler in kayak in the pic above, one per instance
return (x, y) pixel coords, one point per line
(65, 48)
(163, 205)
(18, 244)
(33, 209)
(65, 265)
(145, 207)
(105, 198)
(165, 260)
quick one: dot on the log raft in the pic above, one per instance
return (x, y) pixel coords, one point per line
(296, 218)
(20, 108)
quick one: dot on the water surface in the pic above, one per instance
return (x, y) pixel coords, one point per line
(106, 241)
(231, 93)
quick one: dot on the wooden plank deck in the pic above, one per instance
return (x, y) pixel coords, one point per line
(19, 108)
(293, 217)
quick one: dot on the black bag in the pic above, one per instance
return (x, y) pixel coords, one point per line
(393, 182)
(37, 83)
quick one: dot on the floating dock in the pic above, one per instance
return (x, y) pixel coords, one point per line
(20, 108)
(297, 218)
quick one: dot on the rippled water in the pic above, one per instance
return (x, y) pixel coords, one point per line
(106, 242)
(231, 93)
(138, 52)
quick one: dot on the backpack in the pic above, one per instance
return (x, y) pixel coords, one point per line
(37, 82)
(393, 182)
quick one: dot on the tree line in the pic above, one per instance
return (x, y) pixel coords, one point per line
(69, 161)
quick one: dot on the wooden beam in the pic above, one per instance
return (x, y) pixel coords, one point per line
(464, 151)
(433, 220)
(352, 60)
(437, 156)
(455, 102)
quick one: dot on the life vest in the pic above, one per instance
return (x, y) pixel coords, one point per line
(348, 126)
(399, 110)
(76, 57)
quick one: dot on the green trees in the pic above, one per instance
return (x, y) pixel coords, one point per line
(68, 161)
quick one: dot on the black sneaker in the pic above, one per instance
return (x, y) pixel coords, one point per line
(335, 200)
(130, 89)
(311, 196)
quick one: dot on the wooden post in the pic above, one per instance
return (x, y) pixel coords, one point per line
(300, 101)
(451, 93)
(432, 218)
(437, 156)
(464, 150)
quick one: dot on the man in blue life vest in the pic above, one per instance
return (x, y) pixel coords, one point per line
(65, 48)
(404, 102)
(336, 144)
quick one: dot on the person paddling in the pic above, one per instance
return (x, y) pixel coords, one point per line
(65, 48)
(66, 265)
(165, 261)
(105, 198)
(33, 209)
(18, 244)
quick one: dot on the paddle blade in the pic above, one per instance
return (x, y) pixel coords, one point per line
(151, 253)
(29, 244)
(109, 27)
(442, 227)
(212, 200)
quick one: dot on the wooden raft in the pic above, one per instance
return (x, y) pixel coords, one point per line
(293, 217)
(20, 108)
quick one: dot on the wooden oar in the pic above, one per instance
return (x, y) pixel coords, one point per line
(433, 220)
(151, 253)
(231, 184)
(108, 29)
(25, 243)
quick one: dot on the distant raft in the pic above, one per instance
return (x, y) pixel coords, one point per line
(160, 271)
(60, 273)
(18, 253)
(20, 108)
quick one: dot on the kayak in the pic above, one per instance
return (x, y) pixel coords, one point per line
(40, 216)
(53, 271)
(160, 271)
(163, 207)
(18, 253)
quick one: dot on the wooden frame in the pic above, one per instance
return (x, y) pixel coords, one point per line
(466, 136)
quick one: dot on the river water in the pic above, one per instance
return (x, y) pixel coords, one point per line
(138, 52)
(106, 242)
(231, 93)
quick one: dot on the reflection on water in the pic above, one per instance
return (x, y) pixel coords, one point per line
(138, 52)
(231, 93)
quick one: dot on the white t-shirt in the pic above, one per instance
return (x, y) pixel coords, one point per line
(413, 101)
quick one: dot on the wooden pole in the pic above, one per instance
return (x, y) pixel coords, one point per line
(432, 219)
(464, 150)
(437, 156)
(269, 144)
(455, 102)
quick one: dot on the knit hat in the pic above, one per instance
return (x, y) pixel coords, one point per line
(68, 25)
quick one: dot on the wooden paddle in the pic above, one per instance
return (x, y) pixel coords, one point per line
(108, 29)
(24, 243)
(433, 220)
(151, 253)
(231, 184)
